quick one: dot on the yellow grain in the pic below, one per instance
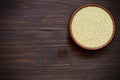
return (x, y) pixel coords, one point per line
(92, 27)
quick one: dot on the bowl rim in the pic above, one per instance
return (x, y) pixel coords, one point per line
(95, 5)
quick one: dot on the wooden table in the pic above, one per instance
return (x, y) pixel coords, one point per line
(35, 43)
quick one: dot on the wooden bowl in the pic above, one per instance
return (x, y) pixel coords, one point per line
(91, 45)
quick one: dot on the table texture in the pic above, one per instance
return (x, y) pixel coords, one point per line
(35, 43)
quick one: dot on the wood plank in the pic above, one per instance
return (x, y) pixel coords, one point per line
(35, 43)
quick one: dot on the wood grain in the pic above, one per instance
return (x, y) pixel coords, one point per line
(35, 43)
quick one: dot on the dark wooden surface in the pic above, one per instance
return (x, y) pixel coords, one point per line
(35, 43)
